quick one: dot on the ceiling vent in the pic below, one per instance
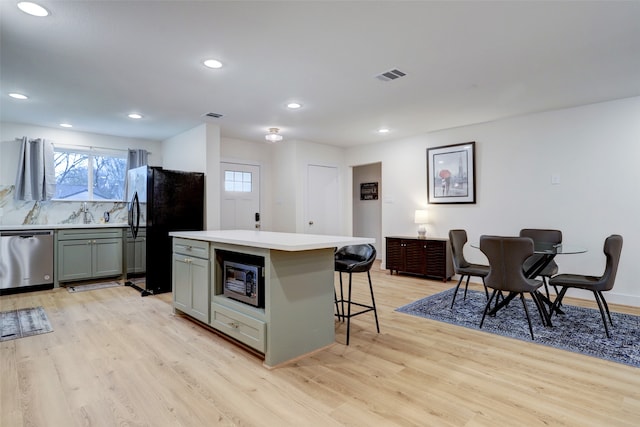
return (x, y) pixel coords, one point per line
(390, 75)
(212, 115)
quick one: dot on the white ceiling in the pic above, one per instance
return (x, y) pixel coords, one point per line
(90, 63)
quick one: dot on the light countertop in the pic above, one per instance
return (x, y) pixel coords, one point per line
(273, 240)
(62, 226)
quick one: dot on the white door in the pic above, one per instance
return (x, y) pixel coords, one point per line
(323, 201)
(240, 196)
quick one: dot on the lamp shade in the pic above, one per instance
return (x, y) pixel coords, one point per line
(421, 217)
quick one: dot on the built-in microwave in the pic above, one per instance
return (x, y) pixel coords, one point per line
(244, 282)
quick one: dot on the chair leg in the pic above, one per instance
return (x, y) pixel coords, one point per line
(349, 310)
(341, 298)
(526, 311)
(546, 287)
(604, 321)
(373, 302)
(606, 306)
(486, 290)
(466, 286)
(335, 300)
(455, 292)
(486, 307)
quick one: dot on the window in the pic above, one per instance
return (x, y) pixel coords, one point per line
(89, 174)
(237, 181)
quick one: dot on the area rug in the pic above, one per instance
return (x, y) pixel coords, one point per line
(579, 330)
(93, 286)
(24, 322)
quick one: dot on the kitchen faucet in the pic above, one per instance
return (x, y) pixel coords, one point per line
(85, 210)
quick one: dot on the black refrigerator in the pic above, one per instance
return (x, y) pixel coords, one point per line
(161, 201)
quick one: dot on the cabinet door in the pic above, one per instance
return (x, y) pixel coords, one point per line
(393, 259)
(181, 283)
(439, 259)
(415, 258)
(107, 257)
(200, 301)
(74, 260)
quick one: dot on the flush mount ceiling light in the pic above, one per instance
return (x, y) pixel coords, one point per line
(294, 105)
(32, 9)
(66, 125)
(134, 116)
(212, 63)
(383, 130)
(18, 96)
(273, 136)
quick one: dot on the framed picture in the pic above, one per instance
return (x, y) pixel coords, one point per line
(369, 191)
(451, 173)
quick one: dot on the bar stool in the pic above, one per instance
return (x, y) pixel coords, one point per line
(354, 259)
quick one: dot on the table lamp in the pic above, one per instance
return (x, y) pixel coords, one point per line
(421, 218)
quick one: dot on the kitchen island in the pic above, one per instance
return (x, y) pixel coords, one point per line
(296, 316)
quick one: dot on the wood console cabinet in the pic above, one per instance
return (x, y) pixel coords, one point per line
(430, 257)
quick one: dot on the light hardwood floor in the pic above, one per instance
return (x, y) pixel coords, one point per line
(116, 358)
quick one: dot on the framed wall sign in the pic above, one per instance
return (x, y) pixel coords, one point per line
(451, 173)
(369, 191)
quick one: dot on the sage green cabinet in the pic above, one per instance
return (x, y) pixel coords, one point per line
(84, 254)
(191, 280)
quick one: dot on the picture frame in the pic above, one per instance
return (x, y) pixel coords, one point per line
(369, 191)
(451, 174)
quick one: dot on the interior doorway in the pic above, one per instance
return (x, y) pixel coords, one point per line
(367, 203)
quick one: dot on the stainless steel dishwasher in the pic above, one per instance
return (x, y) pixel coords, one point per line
(26, 258)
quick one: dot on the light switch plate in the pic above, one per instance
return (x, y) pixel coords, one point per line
(555, 179)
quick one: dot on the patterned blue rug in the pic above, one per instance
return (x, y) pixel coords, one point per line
(579, 330)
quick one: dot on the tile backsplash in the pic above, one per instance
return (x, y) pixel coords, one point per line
(18, 212)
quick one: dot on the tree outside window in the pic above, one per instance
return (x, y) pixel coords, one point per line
(89, 175)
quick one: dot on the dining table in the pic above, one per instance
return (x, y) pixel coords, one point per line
(548, 251)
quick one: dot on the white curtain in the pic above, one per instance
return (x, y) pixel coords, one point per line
(136, 158)
(36, 178)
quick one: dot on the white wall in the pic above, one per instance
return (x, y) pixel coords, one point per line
(186, 151)
(594, 149)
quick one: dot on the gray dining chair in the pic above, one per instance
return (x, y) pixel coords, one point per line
(541, 235)
(462, 267)
(612, 250)
(506, 274)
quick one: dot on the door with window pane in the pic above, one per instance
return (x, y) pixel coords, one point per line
(240, 196)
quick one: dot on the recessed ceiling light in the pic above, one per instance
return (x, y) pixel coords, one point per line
(18, 96)
(294, 105)
(32, 8)
(66, 125)
(212, 63)
(134, 116)
(383, 130)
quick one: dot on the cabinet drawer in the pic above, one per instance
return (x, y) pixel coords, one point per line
(246, 329)
(89, 233)
(194, 248)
